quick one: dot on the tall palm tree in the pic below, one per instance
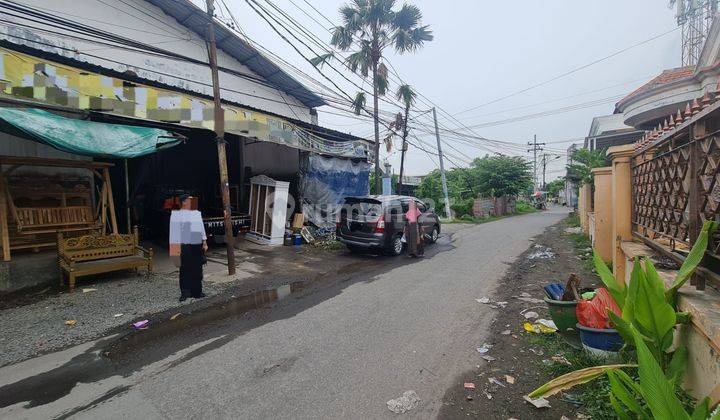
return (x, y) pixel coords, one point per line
(373, 25)
(407, 95)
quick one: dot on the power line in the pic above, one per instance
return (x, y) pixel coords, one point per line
(569, 72)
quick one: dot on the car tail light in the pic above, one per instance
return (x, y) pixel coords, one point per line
(380, 225)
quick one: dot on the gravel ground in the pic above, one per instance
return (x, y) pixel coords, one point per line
(26, 331)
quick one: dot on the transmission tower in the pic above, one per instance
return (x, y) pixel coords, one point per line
(695, 18)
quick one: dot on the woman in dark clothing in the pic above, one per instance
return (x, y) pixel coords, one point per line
(189, 242)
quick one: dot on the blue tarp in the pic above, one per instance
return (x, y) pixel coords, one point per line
(325, 181)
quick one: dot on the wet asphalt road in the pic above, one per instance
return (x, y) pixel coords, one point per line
(337, 349)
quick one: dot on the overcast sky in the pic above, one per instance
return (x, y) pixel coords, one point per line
(486, 50)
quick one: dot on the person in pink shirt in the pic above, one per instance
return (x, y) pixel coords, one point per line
(412, 231)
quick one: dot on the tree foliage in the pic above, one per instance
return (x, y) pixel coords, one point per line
(367, 28)
(497, 176)
(584, 160)
(490, 176)
(554, 187)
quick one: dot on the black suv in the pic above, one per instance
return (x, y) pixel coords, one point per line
(378, 222)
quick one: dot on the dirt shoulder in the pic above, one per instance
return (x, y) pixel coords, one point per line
(526, 358)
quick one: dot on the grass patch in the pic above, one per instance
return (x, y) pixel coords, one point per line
(593, 395)
(521, 207)
(573, 220)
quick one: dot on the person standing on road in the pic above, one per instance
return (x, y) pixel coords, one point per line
(188, 243)
(412, 231)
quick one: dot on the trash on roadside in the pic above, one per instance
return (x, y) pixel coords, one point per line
(174, 317)
(509, 379)
(547, 323)
(593, 313)
(571, 399)
(588, 295)
(501, 304)
(484, 348)
(469, 397)
(538, 328)
(561, 359)
(537, 403)
(483, 300)
(404, 403)
(141, 324)
(531, 315)
(524, 295)
(554, 291)
(536, 352)
(506, 332)
(469, 385)
(118, 315)
(88, 290)
(541, 253)
(489, 397)
(71, 322)
(488, 358)
(571, 289)
(492, 380)
(574, 230)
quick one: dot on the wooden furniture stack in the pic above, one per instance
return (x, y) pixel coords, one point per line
(31, 214)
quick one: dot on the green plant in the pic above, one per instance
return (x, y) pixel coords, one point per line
(370, 26)
(648, 320)
(522, 207)
(463, 207)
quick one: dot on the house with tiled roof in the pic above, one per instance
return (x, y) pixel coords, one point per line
(671, 90)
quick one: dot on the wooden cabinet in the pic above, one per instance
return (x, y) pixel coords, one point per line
(268, 210)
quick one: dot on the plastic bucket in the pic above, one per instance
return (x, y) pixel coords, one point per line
(604, 343)
(297, 239)
(562, 313)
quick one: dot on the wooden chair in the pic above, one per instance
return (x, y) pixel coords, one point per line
(95, 254)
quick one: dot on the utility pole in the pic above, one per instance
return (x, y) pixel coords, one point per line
(220, 139)
(544, 166)
(535, 149)
(442, 166)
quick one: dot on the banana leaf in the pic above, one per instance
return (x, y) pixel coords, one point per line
(625, 395)
(696, 255)
(617, 291)
(574, 378)
(657, 391)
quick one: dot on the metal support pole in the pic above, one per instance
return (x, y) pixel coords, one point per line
(442, 166)
(220, 133)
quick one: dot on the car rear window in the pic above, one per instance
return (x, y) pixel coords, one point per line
(362, 208)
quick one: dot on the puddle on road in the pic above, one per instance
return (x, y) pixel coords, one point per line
(135, 350)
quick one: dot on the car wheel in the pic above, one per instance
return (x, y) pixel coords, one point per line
(434, 234)
(395, 247)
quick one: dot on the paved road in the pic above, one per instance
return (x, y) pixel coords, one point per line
(339, 352)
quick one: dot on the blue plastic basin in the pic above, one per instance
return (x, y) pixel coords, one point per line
(600, 339)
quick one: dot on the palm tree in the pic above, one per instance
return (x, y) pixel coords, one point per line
(375, 25)
(407, 95)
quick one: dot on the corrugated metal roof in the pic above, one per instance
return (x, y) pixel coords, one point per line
(195, 19)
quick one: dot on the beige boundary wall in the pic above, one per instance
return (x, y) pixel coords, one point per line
(614, 241)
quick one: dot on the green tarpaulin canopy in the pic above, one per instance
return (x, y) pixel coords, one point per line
(82, 137)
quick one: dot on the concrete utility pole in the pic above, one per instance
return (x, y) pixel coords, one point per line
(220, 134)
(535, 149)
(544, 166)
(442, 166)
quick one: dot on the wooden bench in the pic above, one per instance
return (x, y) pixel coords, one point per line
(95, 254)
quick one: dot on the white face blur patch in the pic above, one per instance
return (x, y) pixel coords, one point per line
(186, 227)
